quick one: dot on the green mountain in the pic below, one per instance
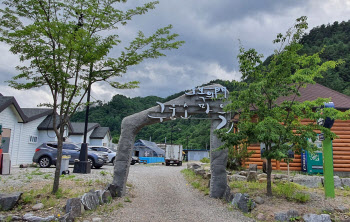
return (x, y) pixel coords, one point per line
(333, 40)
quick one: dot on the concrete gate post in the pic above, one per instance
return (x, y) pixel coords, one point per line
(218, 162)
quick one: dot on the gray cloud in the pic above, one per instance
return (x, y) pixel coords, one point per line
(211, 30)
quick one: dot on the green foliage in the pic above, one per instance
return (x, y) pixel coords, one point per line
(196, 181)
(266, 118)
(205, 160)
(237, 155)
(66, 45)
(291, 191)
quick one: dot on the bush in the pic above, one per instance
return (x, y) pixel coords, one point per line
(205, 160)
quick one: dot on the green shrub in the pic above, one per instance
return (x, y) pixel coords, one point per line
(205, 160)
(302, 197)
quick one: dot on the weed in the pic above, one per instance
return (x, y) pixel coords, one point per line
(347, 188)
(36, 172)
(8, 219)
(67, 177)
(205, 160)
(196, 181)
(290, 192)
(196, 184)
(127, 199)
(29, 177)
(103, 173)
(129, 185)
(301, 197)
(120, 205)
(47, 176)
(295, 218)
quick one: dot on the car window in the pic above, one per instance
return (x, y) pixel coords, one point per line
(52, 145)
(70, 146)
(94, 148)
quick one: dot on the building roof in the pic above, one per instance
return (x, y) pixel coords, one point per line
(78, 128)
(35, 113)
(314, 91)
(152, 146)
(26, 114)
(99, 132)
(47, 123)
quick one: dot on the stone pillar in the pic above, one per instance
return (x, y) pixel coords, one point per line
(218, 162)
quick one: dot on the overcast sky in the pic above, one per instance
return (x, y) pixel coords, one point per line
(211, 30)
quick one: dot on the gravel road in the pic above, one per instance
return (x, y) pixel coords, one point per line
(161, 194)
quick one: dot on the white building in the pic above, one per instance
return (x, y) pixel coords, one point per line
(96, 135)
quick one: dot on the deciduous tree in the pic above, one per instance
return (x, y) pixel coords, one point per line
(66, 44)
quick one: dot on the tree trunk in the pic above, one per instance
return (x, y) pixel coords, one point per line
(56, 181)
(269, 170)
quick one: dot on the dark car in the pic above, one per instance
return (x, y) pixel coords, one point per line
(46, 155)
(134, 159)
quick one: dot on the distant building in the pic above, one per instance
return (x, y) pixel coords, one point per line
(144, 148)
(196, 155)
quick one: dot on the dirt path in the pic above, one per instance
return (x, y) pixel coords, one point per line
(160, 193)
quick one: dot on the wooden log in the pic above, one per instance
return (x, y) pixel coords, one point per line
(341, 148)
(291, 168)
(335, 152)
(342, 141)
(255, 160)
(341, 169)
(341, 161)
(344, 136)
(341, 145)
(341, 165)
(339, 157)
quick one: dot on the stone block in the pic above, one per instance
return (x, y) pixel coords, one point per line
(317, 218)
(199, 171)
(262, 175)
(252, 176)
(286, 216)
(345, 182)
(229, 195)
(242, 202)
(259, 200)
(38, 206)
(90, 200)
(243, 173)
(236, 177)
(253, 167)
(106, 196)
(112, 189)
(308, 181)
(337, 182)
(75, 208)
(8, 201)
(31, 218)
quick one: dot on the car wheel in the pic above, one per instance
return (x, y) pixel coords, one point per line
(91, 161)
(45, 162)
(113, 160)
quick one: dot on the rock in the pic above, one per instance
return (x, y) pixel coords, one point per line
(262, 175)
(242, 202)
(337, 182)
(308, 181)
(317, 218)
(243, 173)
(90, 200)
(252, 176)
(8, 201)
(207, 175)
(31, 218)
(38, 206)
(96, 219)
(106, 196)
(13, 218)
(262, 180)
(74, 208)
(280, 176)
(259, 200)
(228, 196)
(199, 171)
(286, 216)
(65, 218)
(341, 209)
(253, 167)
(236, 177)
(193, 166)
(112, 189)
(261, 217)
(345, 182)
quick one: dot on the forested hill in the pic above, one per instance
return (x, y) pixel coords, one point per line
(333, 39)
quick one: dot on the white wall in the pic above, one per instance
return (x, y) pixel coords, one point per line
(9, 119)
(27, 148)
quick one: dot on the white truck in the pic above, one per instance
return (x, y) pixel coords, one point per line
(173, 155)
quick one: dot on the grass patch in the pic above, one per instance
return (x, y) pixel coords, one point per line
(36, 172)
(248, 187)
(205, 160)
(196, 181)
(291, 191)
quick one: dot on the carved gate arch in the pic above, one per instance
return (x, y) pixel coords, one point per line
(203, 99)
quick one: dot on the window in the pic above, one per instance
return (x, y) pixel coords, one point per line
(33, 139)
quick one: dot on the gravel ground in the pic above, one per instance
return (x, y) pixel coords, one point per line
(160, 193)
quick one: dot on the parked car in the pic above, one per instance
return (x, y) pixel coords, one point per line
(46, 155)
(111, 154)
